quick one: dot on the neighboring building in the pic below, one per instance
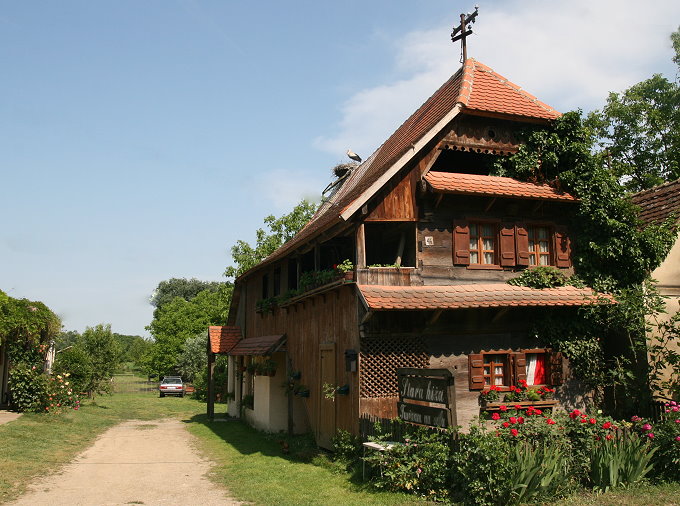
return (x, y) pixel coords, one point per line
(656, 205)
(452, 235)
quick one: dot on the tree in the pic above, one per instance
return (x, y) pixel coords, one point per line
(100, 346)
(640, 130)
(281, 230)
(179, 320)
(192, 359)
(184, 288)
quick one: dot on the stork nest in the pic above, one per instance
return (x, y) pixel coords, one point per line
(342, 169)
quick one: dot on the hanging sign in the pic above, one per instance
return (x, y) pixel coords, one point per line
(431, 386)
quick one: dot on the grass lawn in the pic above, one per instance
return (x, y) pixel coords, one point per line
(251, 465)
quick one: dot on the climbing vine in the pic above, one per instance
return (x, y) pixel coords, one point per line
(611, 251)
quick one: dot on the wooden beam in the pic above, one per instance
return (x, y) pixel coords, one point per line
(537, 206)
(500, 314)
(360, 239)
(211, 385)
(435, 316)
(366, 317)
(490, 204)
(439, 200)
(400, 249)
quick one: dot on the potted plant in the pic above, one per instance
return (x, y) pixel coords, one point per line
(251, 368)
(268, 368)
(301, 391)
(345, 269)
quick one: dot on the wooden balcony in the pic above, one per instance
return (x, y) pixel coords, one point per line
(386, 276)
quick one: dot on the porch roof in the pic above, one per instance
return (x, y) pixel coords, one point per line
(385, 298)
(223, 338)
(261, 345)
(492, 186)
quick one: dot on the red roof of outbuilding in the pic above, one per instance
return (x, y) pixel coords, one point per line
(223, 339)
(658, 203)
(262, 345)
(474, 184)
(380, 298)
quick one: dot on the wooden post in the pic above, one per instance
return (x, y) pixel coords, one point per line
(289, 392)
(360, 238)
(400, 249)
(211, 385)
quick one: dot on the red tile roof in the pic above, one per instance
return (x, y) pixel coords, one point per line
(473, 184)
(381, 298)
(486, 91)
(659, 203)
(263, 345)
(475, 87)
(223, 339)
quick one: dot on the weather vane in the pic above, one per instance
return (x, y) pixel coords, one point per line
(461, 31)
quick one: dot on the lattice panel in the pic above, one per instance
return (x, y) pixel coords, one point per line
(380, 359)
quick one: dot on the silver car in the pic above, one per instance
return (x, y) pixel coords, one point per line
(171, 385)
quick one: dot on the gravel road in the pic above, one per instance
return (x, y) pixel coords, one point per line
(150, 463)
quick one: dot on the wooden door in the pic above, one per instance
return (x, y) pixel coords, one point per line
(326, 412)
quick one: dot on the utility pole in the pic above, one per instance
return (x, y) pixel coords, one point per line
(461, 31)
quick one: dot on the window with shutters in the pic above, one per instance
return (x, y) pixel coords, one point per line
(495, 370)
(483, 243)
(539, 245)
(537, 367)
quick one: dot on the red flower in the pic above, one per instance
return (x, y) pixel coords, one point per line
(538, 411)
(513, 419)
(520, 419)
(503, 408)
(606, 425)
(506, 424)
(496, 416)
(551, 421)
(522, 382)
(583, 420)
(608, 437)
(593, 421)
(514, 432)
(518, 407)
(574, 414)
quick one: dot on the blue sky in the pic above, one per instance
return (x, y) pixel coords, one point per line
(140, 140)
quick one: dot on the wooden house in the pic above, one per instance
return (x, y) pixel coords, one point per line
(656, 205)
(433, 239)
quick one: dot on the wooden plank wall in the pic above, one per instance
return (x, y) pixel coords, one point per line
(398, 203)
(322, 319)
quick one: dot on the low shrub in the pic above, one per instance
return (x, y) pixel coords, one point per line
(537, 473)
(620, 461)
(29, 387)
(419, 465)
(664, 436)
(347, 449)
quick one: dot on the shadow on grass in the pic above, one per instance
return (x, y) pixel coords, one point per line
(295, 449)
(247, 440)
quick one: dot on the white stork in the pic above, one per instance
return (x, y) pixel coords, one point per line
(353, 156)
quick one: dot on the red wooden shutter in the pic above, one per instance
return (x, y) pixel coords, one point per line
(522, 244)
(520, 367)
(476, 371)
(507, 245)
(562, 248)
(461, 242)
(556, 368)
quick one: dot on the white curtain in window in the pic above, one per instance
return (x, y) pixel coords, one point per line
(531, 368)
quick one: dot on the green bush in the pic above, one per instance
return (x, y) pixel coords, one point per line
(347, 448)
(29, 387)
(76, 363)
(664, 436)
(419, 465)
(481, 472)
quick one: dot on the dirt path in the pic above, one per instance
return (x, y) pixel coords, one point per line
(135, 462)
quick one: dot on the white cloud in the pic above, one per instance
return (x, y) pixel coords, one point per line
(568, 54)
(285, 188)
